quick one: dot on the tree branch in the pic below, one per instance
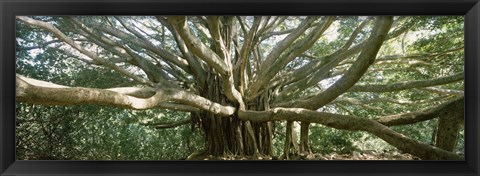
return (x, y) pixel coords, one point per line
(355, 33)
(198, 48)
(195, 65)
(245, 52)
(169, 125)
(153, 72)
(346, 122)
(355, 72)
(266, 68)
(316, 70)
(214, 28)
(443, 91)
(41, 92)
(418, 116)
(126, 37)
(387, 100)
(207, 55)
(91, 55)
(407, 84)
(418, 55)
(35, 91)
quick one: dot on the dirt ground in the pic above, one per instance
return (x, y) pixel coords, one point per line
(355, 155)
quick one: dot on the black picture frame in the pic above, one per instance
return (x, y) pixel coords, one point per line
(10, 8)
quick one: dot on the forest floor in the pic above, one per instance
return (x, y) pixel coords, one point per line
(355, 155)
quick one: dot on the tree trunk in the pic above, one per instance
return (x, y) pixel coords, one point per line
(290, 141)
(229, 135)
(449, 125)
(304, 147)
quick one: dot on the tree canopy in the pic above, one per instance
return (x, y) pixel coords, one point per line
(227, 86)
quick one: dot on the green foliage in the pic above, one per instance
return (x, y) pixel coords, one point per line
(328, 140)
(99, 133)
(91, 132)
(421, 131)
(460, 147)
(370, 142)
(42, 132)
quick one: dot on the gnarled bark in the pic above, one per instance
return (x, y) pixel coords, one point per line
(220, 70)
(450, 122)
(346, 122)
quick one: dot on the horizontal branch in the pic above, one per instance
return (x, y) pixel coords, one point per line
(418, 55)
(408, 84)
(177, 107)
(169, 125)
(443, 91)
(413, 117)
(346, 122)
(388, 100)
(363, 105)
(135, 91)
(35, 91)
(41, 92)
(409, 62)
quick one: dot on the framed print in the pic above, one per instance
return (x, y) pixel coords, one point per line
(239, 87)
